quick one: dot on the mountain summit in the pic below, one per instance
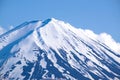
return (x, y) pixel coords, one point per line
(53, 49)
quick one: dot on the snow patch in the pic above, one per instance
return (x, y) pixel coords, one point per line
(43, 63)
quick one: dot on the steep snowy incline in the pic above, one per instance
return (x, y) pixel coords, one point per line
(53, 49)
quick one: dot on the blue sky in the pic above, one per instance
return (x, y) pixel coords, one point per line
(97, 15)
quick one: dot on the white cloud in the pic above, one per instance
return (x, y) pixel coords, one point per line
(11, 27)
(109, 41)
(2, 30)
(104, 38)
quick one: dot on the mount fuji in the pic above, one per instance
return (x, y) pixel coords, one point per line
(53, 49)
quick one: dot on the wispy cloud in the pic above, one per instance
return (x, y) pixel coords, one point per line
(106, 39)
(2, 30)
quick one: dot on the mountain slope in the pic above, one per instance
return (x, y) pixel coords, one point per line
(52, 49)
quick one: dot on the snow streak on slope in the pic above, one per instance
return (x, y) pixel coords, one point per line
(52, 49)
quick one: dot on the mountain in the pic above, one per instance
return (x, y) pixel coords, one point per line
(53, 49)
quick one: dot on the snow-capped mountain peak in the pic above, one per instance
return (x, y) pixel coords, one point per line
(53, 49)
